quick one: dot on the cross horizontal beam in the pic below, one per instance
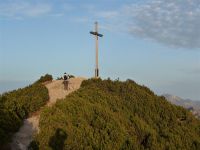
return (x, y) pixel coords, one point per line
(96, 33)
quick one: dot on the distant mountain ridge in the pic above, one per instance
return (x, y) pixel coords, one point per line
(193, 106)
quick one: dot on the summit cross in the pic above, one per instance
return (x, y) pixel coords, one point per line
(96, 34)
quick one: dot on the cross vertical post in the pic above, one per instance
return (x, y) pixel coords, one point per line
(97, 61)
(96, 34)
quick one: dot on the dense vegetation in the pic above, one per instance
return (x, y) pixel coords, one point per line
(116, 115)
(16, 106)
(45, 78)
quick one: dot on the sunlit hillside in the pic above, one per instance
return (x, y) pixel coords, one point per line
(105, 114)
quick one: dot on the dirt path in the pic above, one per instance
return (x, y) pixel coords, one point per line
(30, 126)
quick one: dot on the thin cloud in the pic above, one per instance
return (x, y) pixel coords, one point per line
(57, 14)
(174, 23)
(80, 19)
(107, 14)
(24, 9)
(171, 22)
(68, 7)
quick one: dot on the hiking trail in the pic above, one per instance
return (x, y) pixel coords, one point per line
(24, 136)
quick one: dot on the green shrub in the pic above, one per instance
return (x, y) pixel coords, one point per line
(45, 78)
(105, 114)
(17, 105)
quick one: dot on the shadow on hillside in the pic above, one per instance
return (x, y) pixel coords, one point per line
(56, 142)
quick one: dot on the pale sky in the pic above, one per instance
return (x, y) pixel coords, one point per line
(154, 42)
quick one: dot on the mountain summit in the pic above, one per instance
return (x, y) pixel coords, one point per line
(105, 114)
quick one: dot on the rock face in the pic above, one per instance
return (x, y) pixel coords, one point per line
(30, 126)
(193, 106)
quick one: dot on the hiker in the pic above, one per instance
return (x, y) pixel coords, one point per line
(66, 81)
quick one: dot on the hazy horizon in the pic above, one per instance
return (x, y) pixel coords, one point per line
(7, 86)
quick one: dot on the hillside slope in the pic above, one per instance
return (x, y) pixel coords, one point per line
(17, 105)
(116, 115)
(56, 91)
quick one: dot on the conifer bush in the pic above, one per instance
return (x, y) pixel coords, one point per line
(45, 78)
(17, 105)
(105, 114)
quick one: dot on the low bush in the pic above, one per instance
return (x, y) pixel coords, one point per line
(105, 114)
(17, 105)
(45, 78)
